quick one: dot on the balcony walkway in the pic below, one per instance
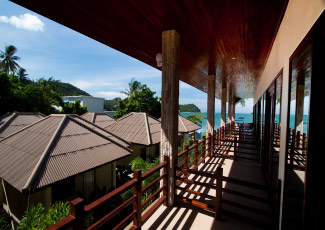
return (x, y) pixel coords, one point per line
(242, 207)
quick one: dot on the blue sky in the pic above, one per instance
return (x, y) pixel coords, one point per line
(48, 49)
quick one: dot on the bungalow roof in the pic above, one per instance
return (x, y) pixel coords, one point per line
(137, 128)
(53, 149)
(12, 122)
(101, 119)
(185, 125)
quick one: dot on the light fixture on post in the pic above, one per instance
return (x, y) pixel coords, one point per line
(159, 59)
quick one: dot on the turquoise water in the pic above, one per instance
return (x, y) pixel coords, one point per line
(239, 117)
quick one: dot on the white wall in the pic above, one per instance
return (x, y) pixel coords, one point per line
(298, 19)
(94, 104)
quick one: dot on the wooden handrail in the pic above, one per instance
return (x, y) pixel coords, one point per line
(79, 211)
(148, 173)
(101, 201)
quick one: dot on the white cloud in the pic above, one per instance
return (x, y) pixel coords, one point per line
(25, 21)
(111, 95)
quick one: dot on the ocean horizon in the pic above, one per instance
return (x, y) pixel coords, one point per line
(239, 118)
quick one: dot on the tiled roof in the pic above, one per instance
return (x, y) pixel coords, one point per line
(185, 125)
(137, 128)
(52, 149)
(101, 130)
(101, 119)
(13, 122)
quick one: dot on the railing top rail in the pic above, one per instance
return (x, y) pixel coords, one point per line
(97, 203)
(153, 170)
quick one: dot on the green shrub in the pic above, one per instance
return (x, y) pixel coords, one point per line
(37, 218)
(4, 225)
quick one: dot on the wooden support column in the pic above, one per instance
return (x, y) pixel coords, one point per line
(233, 109)
(169, 105)
(211, 107)
(230, 101)
(223, 107)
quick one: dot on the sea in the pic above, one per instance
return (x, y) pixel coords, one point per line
(239, 117)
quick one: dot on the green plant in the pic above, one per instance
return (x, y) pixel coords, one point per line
(139, 163)
(4, 225)
(37, 218)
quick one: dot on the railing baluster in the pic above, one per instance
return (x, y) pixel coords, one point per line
(165, 181)
(196, 150)
(185, 159)
(208, 146)
(235, 148)
(137, 201)
(292, 152)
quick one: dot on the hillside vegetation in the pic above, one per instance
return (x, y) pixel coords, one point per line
(189, 108)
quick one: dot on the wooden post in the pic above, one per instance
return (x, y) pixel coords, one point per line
(196, 150)
(211, 109)
(204, 143)
(218, 193)
(137, 201)
(165, 180)
(235, 148)
(298, 141)
(77, 210)
(185, 159)
(292, 152)
(218, 137)
(209, 145)
(223, 106)
(169, 105)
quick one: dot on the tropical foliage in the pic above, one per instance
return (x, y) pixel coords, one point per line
(140, 99)
(8, 62)
(134, 86)
(4, 225)
(111, 105)
(189, 108)
(74, 108)
(196, 118)
(36, 217)
(37, 97)
(139, 163)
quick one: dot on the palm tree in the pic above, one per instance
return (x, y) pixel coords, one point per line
(8, 62)
(22, 75)
(133, 87)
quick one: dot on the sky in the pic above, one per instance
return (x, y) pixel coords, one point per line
(48, 49)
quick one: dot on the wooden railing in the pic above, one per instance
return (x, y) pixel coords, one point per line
(297, 149)
(226, 140)
(79, 211)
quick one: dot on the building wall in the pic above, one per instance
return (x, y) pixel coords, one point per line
(18, 202)
(298, 19)
(94, 104)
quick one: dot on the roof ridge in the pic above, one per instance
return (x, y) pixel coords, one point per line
(125, 116)
(44, 155)
(93, 119)
(20, 130)
(98, 133)
(147, 128)
(103, 129)
(182, 122)
(12, 116)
